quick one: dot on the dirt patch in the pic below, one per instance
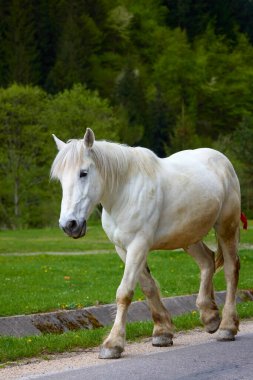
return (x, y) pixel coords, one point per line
(60, 322)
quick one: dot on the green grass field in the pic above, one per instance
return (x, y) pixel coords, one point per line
(43, 282)
(53, 240)
(39, 282)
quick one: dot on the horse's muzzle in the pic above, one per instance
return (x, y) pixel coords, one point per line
(74, 229)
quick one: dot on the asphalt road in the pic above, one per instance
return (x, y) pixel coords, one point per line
(208, 361)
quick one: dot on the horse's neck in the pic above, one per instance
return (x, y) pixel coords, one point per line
(121, 168)
(113, 161)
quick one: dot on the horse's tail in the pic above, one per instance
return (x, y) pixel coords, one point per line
(244, 221)
(219, 259)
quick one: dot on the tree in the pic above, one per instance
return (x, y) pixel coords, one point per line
(70, 112)
(19, 43)
(225, 88)
(176, 80)
(24, 157)
(242, 148)
(79, 39)
(130, 96)
(47, 28)
(184, 135)
(226, 16)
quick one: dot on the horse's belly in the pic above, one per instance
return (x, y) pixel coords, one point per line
(174, 241)
(178, 239)
(183, 229)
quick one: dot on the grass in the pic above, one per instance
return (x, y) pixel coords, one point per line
(53, 240)
(38, 283)
(44, 283)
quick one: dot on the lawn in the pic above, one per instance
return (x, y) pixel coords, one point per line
(53, 240)
(42, 283)
(39, 283)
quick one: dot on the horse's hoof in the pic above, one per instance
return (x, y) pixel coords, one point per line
(164, 340)
(213, 325)
(110, 353)
(225, 335)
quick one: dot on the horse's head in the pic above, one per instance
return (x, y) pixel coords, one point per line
(80, 180)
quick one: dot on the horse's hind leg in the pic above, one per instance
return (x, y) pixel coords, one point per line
(228, 236)
(209, 313)
(163, 328)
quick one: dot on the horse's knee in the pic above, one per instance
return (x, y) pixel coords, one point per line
(124, 297)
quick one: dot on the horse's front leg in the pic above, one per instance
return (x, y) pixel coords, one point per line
(113, 346)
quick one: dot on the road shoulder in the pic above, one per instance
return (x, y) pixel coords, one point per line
(28, 369)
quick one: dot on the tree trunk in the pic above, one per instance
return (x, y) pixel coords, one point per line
(16, 201)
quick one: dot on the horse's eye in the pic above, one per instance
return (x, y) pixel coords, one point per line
(83, 173)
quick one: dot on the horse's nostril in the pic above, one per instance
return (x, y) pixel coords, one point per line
(71, 225)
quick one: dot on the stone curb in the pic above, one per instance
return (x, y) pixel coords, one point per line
(99, 316)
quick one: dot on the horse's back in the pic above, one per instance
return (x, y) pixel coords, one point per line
(205, 164)
(201, 156)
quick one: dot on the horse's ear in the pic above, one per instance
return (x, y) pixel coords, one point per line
(89, 138)
(60, 144)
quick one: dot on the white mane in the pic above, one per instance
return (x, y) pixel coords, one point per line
(114, 161)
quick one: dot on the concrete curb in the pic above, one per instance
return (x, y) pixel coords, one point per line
(99, 316)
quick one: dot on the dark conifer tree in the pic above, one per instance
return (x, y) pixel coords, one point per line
(20, 47)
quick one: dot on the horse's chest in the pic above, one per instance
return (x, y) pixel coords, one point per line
(118, 237)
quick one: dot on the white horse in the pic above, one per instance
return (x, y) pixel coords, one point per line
(150, 204)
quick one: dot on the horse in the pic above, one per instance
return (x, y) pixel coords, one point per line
(151, 203)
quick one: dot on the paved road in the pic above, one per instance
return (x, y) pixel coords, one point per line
(209, 361)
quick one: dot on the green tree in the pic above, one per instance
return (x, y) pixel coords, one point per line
(225, 15)
(225, 92)
(23, 156)
(80, 39)
(184, 135)
(70, 112)
(242, 148)
(47, 25)
(19, 44)
(175, 81)
(130, 96)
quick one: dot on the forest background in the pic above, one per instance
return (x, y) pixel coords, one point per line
(164, 74)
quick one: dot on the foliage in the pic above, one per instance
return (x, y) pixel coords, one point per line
(226, 15)
(23, 153)
(242, 147)
(19, 43)
(70, 112)
(163, 74)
